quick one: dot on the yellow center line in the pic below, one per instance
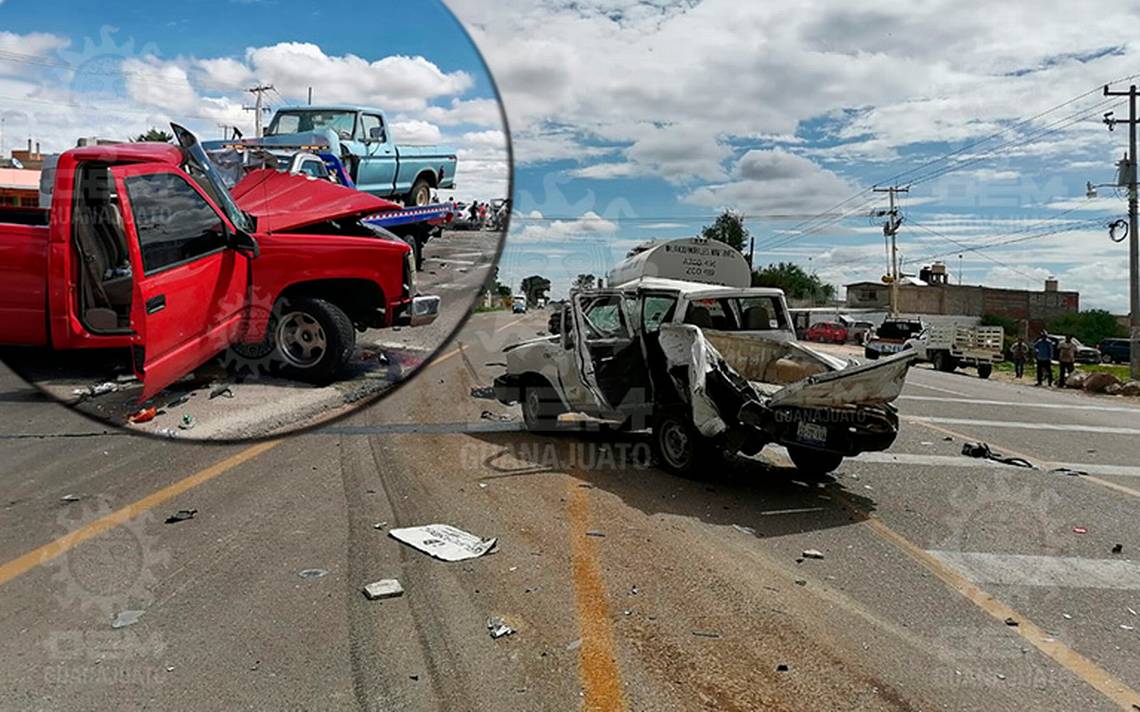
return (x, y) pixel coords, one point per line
(65, 543)
(601, 679)
(1097, 677)
(1010, 451)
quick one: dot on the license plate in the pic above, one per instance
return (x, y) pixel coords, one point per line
(811, 433)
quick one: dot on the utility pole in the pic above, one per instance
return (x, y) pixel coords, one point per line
(891, 229)
(1133, 237)
(310, 96)
(258, 107)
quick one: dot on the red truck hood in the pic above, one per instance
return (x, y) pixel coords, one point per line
(281, 201)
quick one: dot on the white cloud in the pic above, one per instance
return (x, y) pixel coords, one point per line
(774, 181)
(588, 225)
(416, 133)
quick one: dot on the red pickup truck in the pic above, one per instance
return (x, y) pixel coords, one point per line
(145, 248)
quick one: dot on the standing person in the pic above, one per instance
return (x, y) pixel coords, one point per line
(1067, 358)
(1043, 352)
(474, 210)
(482, 212)
(1019, 352)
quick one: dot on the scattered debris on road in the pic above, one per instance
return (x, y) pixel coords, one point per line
(488, 415)
(181, 516)
(484, 392)
(812, 554)
(96, 390)
(498, 627)
(1011, 622)
(1118, 549)
(983, 451)
(126, 618)
(594, 532)
(312, 573)
(180, 400)
(1080, 530)
(574, 644)
(443, 541)
(69, 498)
(1069, 472)
(187, 422)
(744, 530)
(143, 416)
(782, 667)
(384, 588)
(706, 634)
(379, 525)
(222, 391)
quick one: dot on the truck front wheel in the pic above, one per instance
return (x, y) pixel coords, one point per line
(985, 369)
(814, 462)
(313, 339)
(677, 444)
(943, 361)
(540, 407)
(420, 193)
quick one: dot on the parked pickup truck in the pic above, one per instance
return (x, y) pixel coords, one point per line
(363, 140)
(680, 343)
(145, 248)
(949, 346)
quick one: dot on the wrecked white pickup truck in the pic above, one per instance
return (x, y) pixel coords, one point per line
(708, 368)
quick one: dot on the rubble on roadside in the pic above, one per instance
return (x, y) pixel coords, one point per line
(443, 541)
(384, 588)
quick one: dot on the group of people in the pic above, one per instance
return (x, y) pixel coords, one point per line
(1044, 351)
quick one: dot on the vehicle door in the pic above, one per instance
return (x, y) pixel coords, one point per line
(606, 356)
(378, 165)
(190, 286)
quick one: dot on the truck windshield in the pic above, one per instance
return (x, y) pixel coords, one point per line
(204, 173)
(303, 121)
(738, 314)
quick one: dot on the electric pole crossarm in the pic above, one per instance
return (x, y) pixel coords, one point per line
(890, 229)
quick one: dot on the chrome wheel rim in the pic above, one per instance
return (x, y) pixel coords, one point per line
(301, 340)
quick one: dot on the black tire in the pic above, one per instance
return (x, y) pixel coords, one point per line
(871, 354)
(420, 194)
(944, 362)
(678, 447)
(985, 369)
(313, 339)
(540, 407)
(814, 462)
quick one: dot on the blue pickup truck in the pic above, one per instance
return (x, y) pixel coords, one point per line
(363, 139)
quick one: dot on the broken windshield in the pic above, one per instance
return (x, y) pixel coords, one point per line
(200, 168)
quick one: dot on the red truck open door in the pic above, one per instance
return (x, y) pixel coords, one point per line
(190, 284)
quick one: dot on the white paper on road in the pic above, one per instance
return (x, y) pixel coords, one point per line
(443, 541)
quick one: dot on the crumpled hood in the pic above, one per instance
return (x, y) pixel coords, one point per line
(281, 201)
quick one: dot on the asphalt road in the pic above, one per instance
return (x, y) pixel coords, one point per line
(456, 266)
(629, 589)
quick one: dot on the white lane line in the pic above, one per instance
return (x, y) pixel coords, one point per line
(936, 388)
(1063, 427)
(888, 458)
(1050, 571)
(1024, 404)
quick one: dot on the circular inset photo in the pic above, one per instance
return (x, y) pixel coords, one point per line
(244, 224)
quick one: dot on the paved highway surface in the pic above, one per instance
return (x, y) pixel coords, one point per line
(947, 583)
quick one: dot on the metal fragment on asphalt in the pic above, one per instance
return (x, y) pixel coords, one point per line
(70, 498)
(498, 627)
(443, 541)
(812, 554)
(594, 532)
(384, 588)
(181, 516)
(126, 618)
(312, 573)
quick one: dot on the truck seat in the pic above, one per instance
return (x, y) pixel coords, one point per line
(699, 317)
(757, 319)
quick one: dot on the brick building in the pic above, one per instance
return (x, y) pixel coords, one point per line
(19, 188)
(1033, 309)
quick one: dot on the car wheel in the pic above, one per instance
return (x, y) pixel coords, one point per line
(313, 339)
(420, 193)
(985, 369)
(1105, 358)
(677, 444)
(540, 407)
(814, 462)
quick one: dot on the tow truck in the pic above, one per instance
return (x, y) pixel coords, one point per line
(682, 344)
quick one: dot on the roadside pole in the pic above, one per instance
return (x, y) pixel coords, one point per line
(1133, 237)
(891, 229)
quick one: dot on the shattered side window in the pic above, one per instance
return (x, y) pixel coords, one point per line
(604, 318)
(655, 311)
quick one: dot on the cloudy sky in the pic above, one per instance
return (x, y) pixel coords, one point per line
(634, 119)
(113, 70)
